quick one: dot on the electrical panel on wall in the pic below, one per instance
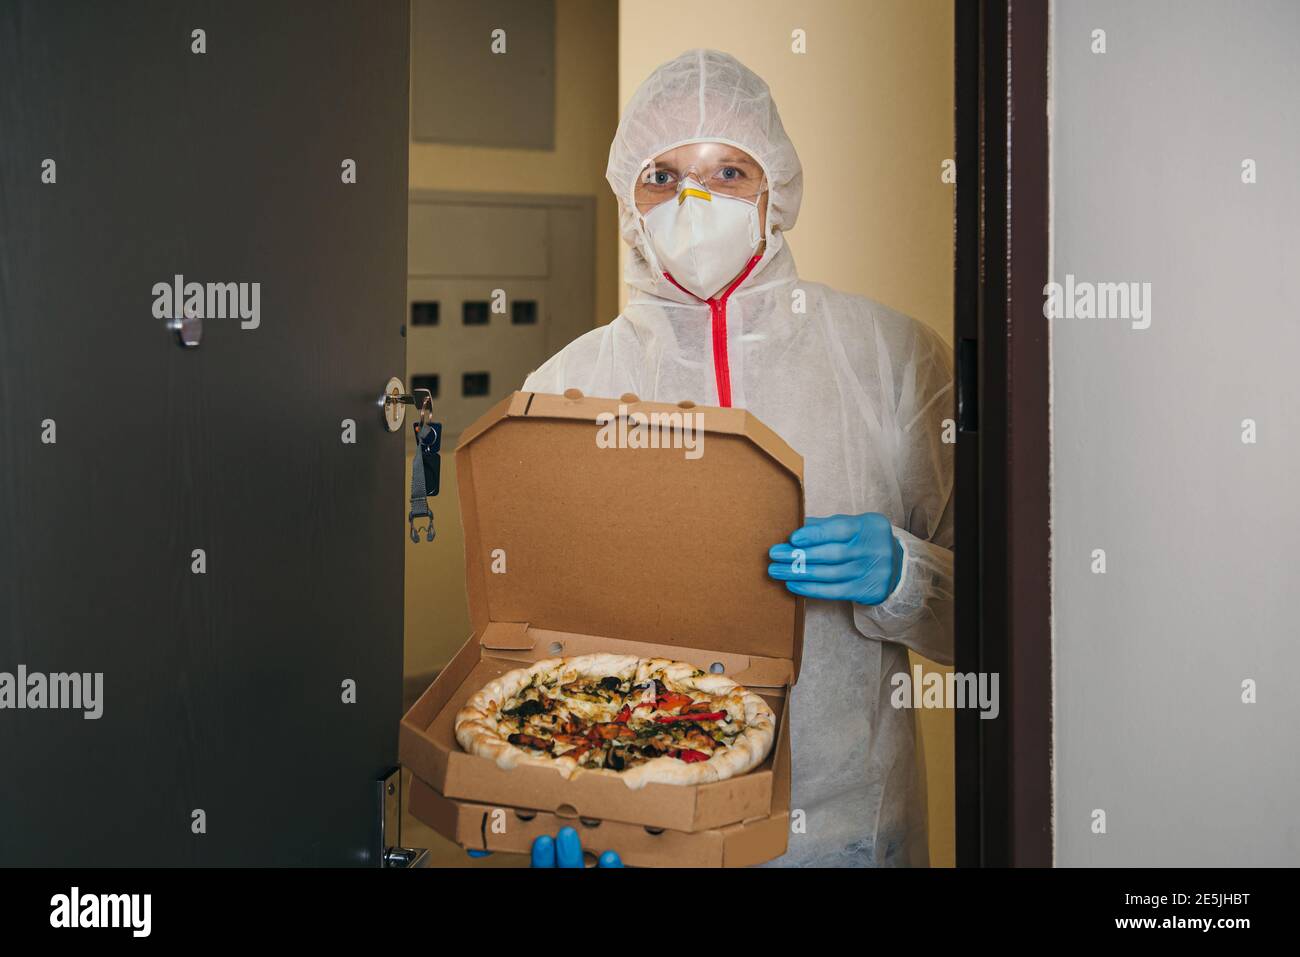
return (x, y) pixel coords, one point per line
(495, 286)
(503, 51)
(480, 345)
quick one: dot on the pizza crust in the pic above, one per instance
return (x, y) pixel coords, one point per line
(476, 722)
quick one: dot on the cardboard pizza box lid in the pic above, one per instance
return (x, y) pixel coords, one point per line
(664, 545)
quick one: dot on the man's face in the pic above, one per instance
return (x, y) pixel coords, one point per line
(719, 167)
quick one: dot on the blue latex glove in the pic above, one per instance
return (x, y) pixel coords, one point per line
(844, 558)
(564, 850)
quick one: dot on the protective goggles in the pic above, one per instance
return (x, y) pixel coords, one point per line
(699, 168)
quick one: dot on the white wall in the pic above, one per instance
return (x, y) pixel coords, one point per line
(1199, 529)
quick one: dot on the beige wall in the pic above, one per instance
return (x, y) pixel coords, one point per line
(869, 106)
(586, 112)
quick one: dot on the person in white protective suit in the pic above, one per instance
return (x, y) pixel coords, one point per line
(708, 184)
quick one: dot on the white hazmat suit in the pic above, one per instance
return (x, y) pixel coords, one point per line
(859, 390)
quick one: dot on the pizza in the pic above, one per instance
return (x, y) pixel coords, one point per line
(643, 719)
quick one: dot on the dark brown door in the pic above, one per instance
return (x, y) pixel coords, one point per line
(224, 674)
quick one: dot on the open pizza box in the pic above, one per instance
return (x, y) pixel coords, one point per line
(573, 547)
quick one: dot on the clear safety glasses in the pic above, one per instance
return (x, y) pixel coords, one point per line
(717, 167)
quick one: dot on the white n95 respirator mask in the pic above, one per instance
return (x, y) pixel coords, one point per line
(703, 239)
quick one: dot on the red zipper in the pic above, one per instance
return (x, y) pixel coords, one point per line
(718, 310)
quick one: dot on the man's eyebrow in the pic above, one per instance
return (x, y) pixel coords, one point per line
(730, 159)
(739, 159)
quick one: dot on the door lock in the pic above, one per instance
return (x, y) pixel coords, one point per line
(395, 399)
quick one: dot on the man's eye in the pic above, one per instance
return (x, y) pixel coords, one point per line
(729, 172)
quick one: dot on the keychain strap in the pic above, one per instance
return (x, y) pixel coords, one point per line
(424, 438)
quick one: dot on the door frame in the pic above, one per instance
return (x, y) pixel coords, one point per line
(1003, 549)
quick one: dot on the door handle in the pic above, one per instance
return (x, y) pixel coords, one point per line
(188, 327)
(394, 400)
